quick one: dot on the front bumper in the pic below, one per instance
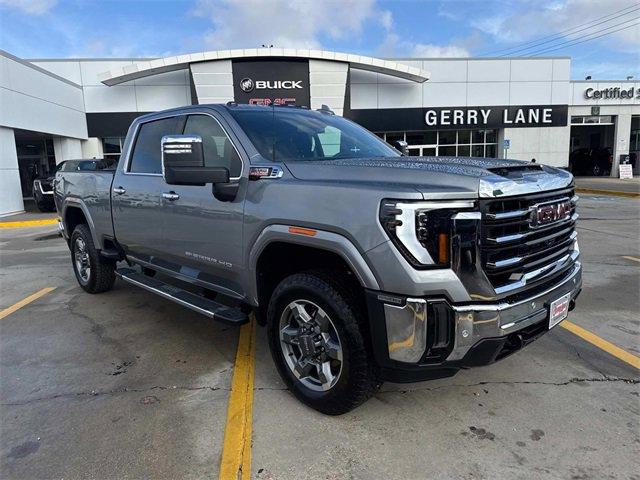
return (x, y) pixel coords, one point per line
(418, 339)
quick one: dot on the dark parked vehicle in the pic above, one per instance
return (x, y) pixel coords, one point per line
(43, 194)
(365, 265)
(591, 161)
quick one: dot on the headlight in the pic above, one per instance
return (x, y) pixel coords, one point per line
(422, 230)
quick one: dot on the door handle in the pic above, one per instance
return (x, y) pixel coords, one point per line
(119, 190)
(170, 196)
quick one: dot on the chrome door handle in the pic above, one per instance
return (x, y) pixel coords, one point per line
(119, 190)
(170, 196)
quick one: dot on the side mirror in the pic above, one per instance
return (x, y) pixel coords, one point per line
(183, 162)
(401, 145)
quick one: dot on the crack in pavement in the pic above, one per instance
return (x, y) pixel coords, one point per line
(98, 393)
(632, 381)
(617, 235)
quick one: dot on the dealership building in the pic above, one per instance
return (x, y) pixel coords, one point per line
(53, 110)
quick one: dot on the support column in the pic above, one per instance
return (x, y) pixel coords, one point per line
(92, 148)
(67, 149)
(10, 189)
(621, 140)
(328, 84)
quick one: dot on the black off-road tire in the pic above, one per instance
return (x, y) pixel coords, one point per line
(102, 272)
(45, 207)
(358, 380)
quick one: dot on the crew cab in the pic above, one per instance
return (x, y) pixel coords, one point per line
(365, 265)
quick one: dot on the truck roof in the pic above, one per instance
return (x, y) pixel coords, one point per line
(223, 107)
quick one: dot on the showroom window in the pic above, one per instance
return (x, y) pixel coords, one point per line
(460, 143)
(591, 120)
(112, 147)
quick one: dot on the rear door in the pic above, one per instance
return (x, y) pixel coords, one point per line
(137, 190)
(202, 234)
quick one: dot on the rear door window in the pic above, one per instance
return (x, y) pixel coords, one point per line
(217, 147)
(147, 150)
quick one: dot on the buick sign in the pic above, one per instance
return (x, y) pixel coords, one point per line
(271, 82)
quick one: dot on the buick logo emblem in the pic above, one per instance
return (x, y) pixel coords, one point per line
(247, 85)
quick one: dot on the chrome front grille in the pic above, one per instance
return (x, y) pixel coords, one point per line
(513, 251)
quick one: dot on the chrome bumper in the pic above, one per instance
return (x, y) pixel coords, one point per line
(407, 325)
(477, 322)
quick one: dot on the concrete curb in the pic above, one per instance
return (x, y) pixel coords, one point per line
(614, 193)
(29, 223)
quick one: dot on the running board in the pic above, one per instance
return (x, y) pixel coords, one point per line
(202, 305)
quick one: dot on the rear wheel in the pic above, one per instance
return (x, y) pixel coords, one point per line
(319, 342)
(596, 170)
(94, 273)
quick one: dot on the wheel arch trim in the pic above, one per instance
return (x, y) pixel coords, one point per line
(72, 202)
(323, 240)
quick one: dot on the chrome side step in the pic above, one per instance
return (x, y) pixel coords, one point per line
(197, 303)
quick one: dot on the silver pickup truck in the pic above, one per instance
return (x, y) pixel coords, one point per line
(364, 264)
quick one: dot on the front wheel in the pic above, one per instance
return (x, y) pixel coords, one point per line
(319, 343)
(94, 273)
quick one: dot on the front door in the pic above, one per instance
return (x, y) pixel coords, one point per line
(202, 234)
(137, 192)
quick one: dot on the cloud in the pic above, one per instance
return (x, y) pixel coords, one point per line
(429, 50)
(283, 23)
(30, 7)
(386, 19)
(393, 45)
(527, 21)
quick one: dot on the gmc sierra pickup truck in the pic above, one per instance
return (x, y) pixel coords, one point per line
(364, 264)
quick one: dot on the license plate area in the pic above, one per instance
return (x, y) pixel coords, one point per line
(559, 309)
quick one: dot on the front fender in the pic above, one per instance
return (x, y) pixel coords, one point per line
(324, 240)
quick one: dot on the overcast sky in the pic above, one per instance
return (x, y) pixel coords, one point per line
(407, 28)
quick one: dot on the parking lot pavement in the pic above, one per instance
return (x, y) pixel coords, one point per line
(117, 385)
(127, 385)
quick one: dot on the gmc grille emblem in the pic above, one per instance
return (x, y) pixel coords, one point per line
(548, 213)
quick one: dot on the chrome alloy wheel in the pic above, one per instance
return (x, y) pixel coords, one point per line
(81, 259)
(310, 344)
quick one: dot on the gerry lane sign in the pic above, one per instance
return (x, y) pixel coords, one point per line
(449, 118)
(496, 117)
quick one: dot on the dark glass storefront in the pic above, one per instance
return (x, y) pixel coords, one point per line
(460, 143)
(36, 158)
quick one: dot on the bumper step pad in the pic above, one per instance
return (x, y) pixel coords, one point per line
(202, 305)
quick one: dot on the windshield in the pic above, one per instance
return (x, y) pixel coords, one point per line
(282, 134)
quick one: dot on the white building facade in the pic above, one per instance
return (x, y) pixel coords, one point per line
(53, 110)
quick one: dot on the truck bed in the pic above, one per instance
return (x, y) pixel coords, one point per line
(91, 191)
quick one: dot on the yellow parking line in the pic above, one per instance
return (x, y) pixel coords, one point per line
(601, 343)
(633, 259)
(235, 463)
(29, 223)
(25, 301)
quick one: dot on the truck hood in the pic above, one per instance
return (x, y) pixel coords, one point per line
(438, 177)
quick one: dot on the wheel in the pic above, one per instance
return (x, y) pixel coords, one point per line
(94, 273)
(319, 342)
(45, 207)
(596, 170)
